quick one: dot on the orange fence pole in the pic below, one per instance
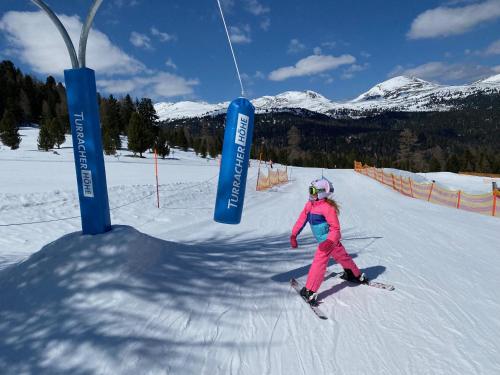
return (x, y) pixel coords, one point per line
(411, 189)
(458, 199)
(430, 192)
(400, 184)
(156, 173)
(258, 177)
(495, 192)
(494, 209)
(393, 183)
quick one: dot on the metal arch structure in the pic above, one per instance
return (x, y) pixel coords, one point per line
(62, 31)
(76, 61)
(83, 113)
(85, 32)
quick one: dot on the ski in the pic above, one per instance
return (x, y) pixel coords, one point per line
(296, 285)
(374, 284)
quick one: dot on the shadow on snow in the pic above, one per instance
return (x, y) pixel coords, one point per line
(124, 301)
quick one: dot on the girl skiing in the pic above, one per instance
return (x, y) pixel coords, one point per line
(321, 213)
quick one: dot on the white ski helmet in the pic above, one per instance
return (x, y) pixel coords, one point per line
(322, 187)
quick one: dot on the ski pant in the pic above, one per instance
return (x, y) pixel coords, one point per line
(320, 262)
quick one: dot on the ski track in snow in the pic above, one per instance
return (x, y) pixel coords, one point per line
(208, 298)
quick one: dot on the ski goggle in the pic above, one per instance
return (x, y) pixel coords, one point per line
(313, 190)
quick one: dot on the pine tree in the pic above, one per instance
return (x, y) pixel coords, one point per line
(293, 140)
(57, 132)
(212, 148)
(108, 143)
(127, 107)
(161, 145)
(434, 165)
(180, 139)
(137, 135)
(45, 140)
(110, 124)
(62, 108)
(51, 98)
(9, 134)
(203, 149)
(149, 118)
(25, 105)
(33, 92)
(114, 120)
(406, 142)
(453, 164)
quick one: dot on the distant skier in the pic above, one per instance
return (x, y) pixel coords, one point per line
(321, 213)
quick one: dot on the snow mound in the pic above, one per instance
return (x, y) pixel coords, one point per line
(93, 304)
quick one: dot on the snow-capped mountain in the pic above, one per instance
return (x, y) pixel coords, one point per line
(395, 87)
(186, 109)
(309, 100)
(490, 80)
(407, 94)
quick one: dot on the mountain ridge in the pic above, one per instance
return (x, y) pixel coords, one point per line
(401, 93)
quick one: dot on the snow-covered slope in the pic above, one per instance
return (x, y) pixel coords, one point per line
(396, 94)
(394, 87)
(309, 100)
(186, 109)
(413, 94)
(490, 80)
(169, 291)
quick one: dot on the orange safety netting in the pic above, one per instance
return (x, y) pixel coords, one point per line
(485, 204)
(273, 178)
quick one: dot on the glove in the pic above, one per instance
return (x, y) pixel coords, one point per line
(293, 241)
(327, 246)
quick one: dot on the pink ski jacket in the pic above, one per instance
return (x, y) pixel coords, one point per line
(323, 220)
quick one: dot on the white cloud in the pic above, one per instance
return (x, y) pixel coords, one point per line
(158, 85)
(140, 40)
(227, 5)
(170, 63)
(354, 68)
(122, 3)
(36, 41)
(240, 35)
(259, 75)
(265, 24)
(256, 8)
(493, 48)
(329, 45)
(311, 65)
(33, 37)
(445, 73)
(446, 21)
(163, 37)
(295, 46)
(317, 50)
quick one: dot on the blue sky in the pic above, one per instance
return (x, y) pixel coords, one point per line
(177, 50)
